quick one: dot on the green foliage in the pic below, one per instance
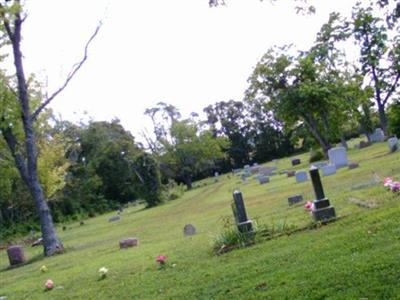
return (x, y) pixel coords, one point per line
(316, 155)
(394, 118)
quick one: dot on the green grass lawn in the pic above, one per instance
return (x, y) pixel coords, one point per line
(356, 257)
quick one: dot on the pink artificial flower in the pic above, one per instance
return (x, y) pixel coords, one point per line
(387, 182)
(309, 206)
(161, 259)
(49, 285)
(395, 187)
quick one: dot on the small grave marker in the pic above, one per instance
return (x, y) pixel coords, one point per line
(296, 161)
(128, 243)
(114, 218)
(378, 136)
(263, 179)
(291, 173)
(295, 199)
(323, 211)
(393, 144)
(364, 144)
(189, 229)
(301, 176)
(353, 165)
(16, 255)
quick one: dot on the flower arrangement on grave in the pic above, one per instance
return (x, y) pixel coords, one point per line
(49, 285)
(103, 272)
(309, 206)
(162, 261)
(392, 185)
(43, 269)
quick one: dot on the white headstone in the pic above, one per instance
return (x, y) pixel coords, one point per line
(393, 144)
(328, 170)
(377, 136)
(338, 157)
(301, 176)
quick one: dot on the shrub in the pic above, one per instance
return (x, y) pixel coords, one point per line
(316, 155)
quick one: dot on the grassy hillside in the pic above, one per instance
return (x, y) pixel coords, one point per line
(356, 257)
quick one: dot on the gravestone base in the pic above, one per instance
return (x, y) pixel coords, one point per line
(295, 199)
(325, 214)
(245, 227)
(16, 255)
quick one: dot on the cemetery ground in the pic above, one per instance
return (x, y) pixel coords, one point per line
(355, 257)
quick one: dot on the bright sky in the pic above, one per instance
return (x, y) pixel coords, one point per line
(177, 51)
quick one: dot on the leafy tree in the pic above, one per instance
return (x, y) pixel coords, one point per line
(23, 112)
(394, 118)
(184, 149)
(229, 119)
(379, 43)
(110, 169)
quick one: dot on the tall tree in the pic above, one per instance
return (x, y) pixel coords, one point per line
(12, 18)
(378, 39)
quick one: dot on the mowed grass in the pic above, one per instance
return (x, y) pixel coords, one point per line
(356, 257)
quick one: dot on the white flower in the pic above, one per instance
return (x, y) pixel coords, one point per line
(103, 271)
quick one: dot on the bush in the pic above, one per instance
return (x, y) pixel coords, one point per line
(316, 155)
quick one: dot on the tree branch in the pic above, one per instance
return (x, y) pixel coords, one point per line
(392, 89)
(74, 70)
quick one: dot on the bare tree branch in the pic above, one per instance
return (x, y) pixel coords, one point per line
(74, 70)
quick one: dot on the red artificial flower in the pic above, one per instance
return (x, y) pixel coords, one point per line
(161, 259)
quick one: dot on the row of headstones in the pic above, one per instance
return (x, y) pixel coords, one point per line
(16, 254)
(322, 212)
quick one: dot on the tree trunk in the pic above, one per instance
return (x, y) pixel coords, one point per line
(27, 166)
(312, 126)
(188, 181)
(382, 117)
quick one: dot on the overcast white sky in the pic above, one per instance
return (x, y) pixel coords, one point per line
(178, 51)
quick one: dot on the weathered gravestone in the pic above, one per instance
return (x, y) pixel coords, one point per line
(378, 136)
(301, 176)
(338, 157)
(128, 243)
(16, 255)
(393, 144)
(291, 173)
(239, 212)
(296, 161)
(323, 211)
(114, 218)
(263, 179)
(328, 170)
(295, 199)
(189, 229)
(216, 176)
(353, 165)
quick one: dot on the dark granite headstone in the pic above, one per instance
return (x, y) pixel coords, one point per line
(16, 255)
(323, 211)
(296, 161)
(364, 144)
(189, 229)
(239, 211)
(295, 199)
